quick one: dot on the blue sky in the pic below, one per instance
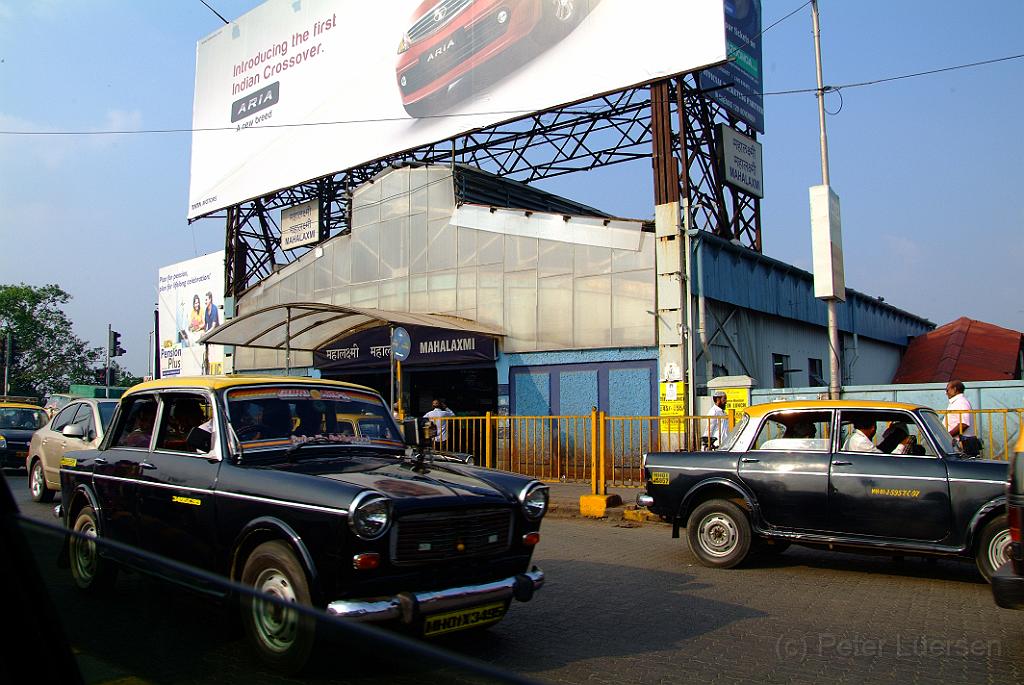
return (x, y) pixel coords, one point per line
(928, 169)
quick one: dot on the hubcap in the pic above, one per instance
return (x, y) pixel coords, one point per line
(84, 557)
(717, 534)
(276, 626)
(564, 9)
(999, 549)
(38, 484)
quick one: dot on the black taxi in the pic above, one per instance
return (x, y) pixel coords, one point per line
(264, 481)
(836, 474)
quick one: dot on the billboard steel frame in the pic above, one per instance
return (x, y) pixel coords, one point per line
(611, 129)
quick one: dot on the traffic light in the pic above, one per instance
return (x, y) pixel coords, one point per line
(115, 344)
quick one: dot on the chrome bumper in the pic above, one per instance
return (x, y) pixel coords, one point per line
(644, 500)
(407, 606)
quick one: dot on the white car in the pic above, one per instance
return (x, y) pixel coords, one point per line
(78, 426)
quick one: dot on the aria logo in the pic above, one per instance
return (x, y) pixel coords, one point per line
(255, 101)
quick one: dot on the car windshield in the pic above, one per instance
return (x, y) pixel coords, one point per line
(734, 433)
(106, 413)
(938, 430)
(19, 418)
(281, 416)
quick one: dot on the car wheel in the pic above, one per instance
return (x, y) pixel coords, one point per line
(37, 483)
(91, 572)
(718, 533)
(993, 546)
(283, 637)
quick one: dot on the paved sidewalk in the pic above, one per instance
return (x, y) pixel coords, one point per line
(565, 499)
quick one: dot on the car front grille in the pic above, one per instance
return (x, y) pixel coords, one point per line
(438, 16)
(451, 51)
(445, 535)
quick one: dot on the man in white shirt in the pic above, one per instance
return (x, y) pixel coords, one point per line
(958, 424)
(718, 424)
(860, 439)
(438, 409)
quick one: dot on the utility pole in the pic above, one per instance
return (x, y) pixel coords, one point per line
(835, 372)
(106, 366)
(8, 339)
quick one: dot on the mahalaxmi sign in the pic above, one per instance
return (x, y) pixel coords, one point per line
(300, 225)
(371, 349)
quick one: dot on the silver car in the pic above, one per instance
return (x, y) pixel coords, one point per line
(78, 426)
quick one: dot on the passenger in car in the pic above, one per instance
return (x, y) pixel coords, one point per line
(860, 439)
(142, 430)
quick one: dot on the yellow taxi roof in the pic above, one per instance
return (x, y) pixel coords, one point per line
(230, 381)
(758, 410)
(19, 405)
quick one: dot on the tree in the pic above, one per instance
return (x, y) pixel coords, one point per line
(47, 356)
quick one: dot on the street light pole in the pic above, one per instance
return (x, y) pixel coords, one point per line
(835, 373)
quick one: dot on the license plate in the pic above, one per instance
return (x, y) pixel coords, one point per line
(451, 621)
(20, 455)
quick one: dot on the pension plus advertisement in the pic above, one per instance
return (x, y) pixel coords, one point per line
(190, 302)
(298, 90)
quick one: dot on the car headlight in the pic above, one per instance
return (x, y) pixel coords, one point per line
(370, 515)
(534, 499)
(3, 442)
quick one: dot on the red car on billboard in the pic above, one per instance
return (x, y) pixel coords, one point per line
(455, 47)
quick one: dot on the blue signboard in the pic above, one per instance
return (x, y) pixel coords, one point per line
(401, 344)
(739, 85)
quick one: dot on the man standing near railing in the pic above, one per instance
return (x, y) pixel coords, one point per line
(959, 420)
(438, 410)
(718, 424)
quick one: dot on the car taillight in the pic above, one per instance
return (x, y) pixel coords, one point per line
(1013, 515)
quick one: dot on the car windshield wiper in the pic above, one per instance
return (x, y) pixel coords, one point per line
(314, 440)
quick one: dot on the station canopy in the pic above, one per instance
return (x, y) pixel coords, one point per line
(310, 326)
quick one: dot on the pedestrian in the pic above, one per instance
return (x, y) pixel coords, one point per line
(718, 425)
(959, 422)
(437, 414)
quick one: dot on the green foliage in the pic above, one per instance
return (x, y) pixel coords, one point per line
(47, 357)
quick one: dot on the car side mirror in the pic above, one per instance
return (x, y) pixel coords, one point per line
(411, 432)
(73, 430)
(200, 440)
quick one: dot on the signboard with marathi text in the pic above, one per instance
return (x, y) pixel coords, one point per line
(371, 349)
(672, 399)
(300, 225)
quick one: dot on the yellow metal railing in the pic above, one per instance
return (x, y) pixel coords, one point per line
(578, 448)
(997, 428)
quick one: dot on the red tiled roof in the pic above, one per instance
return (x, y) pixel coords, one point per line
(964, 350)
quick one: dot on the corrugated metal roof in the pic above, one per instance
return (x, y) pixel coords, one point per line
(963, 350)
(745, 278)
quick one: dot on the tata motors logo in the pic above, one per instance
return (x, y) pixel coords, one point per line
(255, 101)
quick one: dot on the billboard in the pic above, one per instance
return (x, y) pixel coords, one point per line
(190, 303)
(739, 85)
(298, 90)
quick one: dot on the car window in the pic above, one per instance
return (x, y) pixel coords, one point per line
(181, 413)
(83, 418)
(795, 431)
(64, 417)
(734, 433)
(272, 417)
(937, 428)
(136, 426)
(882, 432)
(21, 418)
(106, 412)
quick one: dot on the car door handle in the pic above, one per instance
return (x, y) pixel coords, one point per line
(749, 460)
(841, 463)
(147, 465)
(99, 461)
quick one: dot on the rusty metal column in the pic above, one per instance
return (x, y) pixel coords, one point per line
(671, 262)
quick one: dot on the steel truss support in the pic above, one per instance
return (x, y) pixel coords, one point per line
(608, 130)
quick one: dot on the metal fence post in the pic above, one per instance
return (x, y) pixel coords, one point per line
(593, 451)
(488, 450)
(602, 431)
